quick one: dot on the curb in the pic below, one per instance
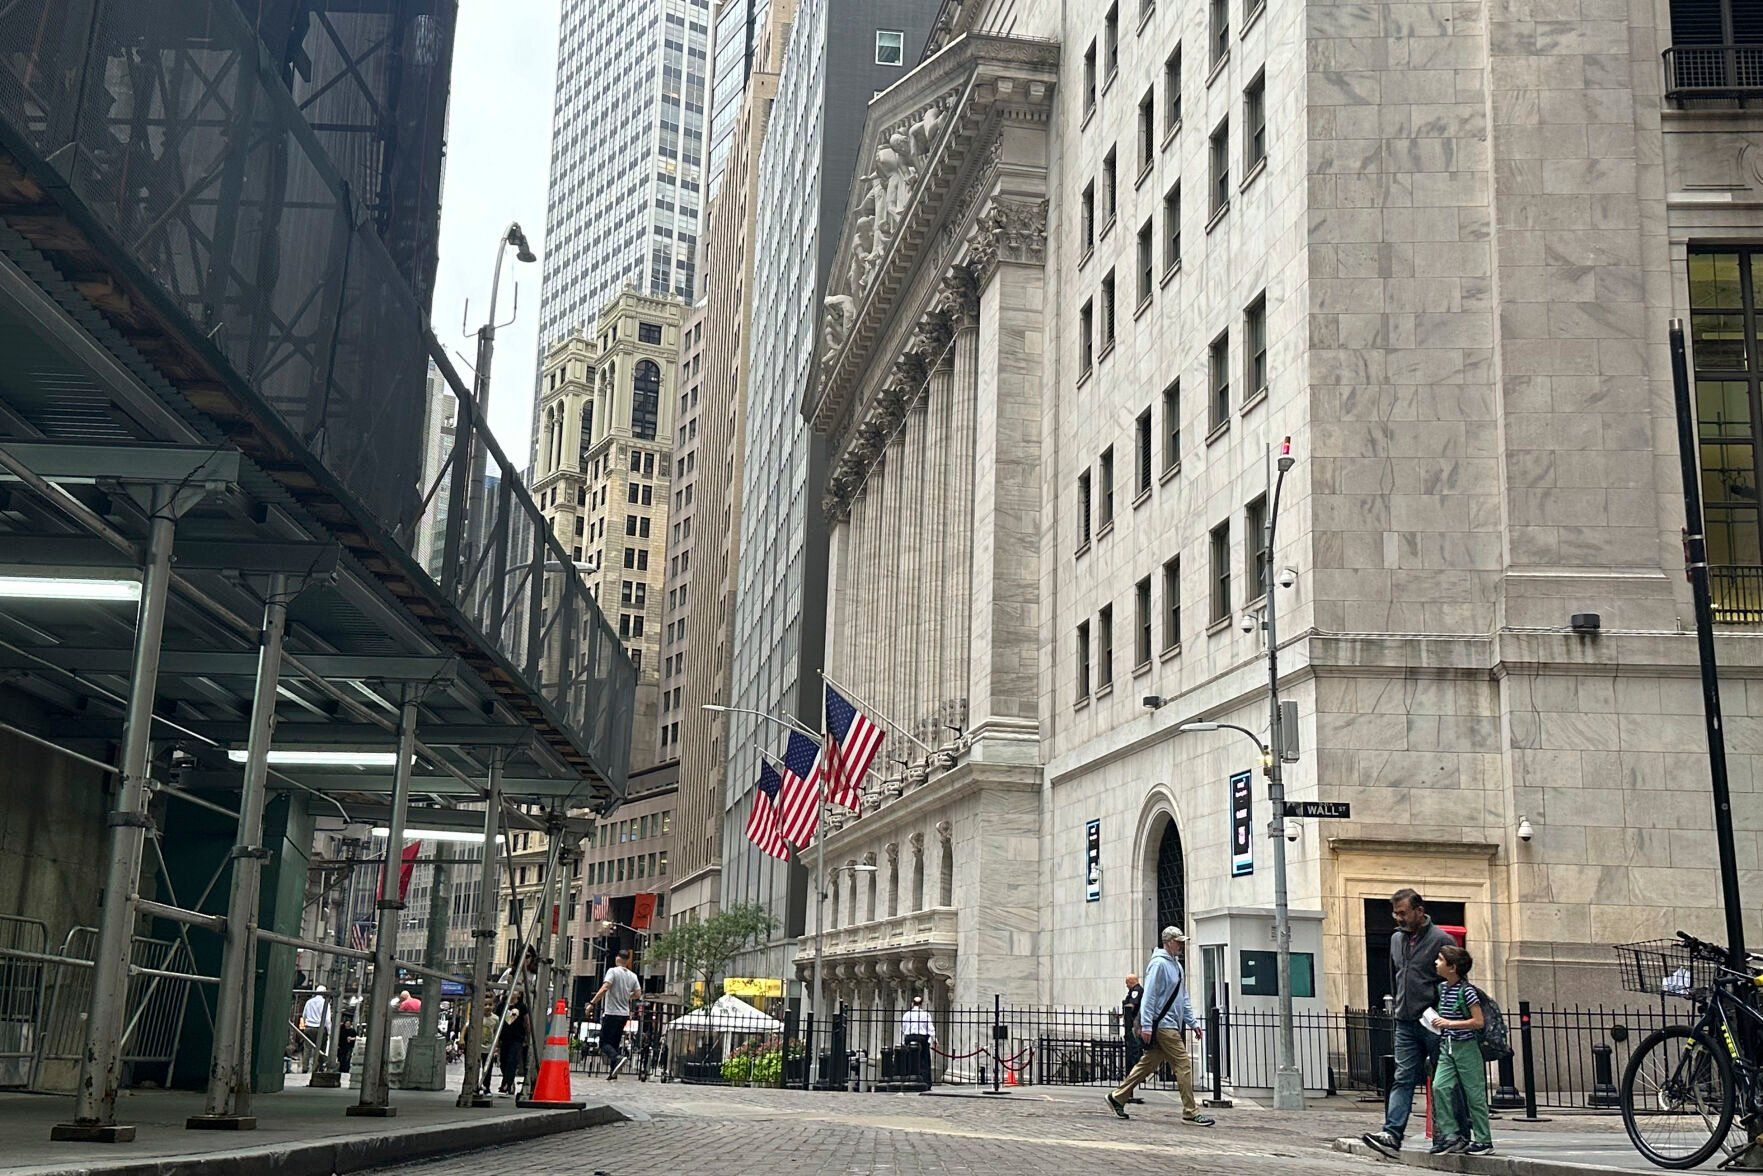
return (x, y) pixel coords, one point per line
(1495, 1165)
(353, 1153)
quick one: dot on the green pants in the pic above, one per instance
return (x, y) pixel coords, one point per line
(1460, 1064)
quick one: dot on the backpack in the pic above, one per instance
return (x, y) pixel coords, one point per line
(1496, 1038)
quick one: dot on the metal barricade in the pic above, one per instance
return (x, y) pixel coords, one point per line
(67, 997)
(24, 948)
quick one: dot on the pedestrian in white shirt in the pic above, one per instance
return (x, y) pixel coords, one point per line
(917, 1032)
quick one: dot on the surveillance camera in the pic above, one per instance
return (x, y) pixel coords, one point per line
(1247, 623)
(1287, 577)
(1293, 831)
(1525, 829)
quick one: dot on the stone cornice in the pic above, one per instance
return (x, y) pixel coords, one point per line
(931, 138)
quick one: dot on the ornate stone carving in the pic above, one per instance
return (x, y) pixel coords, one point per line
(1009, 230)
(838, 311)
(916, 841)
(945, 831)
(892, 849)
(958, 300)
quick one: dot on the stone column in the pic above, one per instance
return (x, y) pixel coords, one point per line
(893, 585)
(838, 554)
(963, 300)
(914, 601)
(1004, 644)
(935, 589)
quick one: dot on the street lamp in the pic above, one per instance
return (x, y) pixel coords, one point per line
(1288, 1082)
(480, 383)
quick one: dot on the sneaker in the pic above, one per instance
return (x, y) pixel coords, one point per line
(618, 1066)
(1479, 1149)
(1116, 1105)
(1444, 1146)
(1383, 1143)
(1200, 1119)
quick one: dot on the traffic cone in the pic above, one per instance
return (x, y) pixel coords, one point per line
(1009, 1075)
(552, 1088)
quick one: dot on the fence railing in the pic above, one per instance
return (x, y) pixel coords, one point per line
(1714, 71)
(1563, 1058)
(1737, 590)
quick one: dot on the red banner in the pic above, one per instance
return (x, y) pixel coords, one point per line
(642, 911)
(408, 868)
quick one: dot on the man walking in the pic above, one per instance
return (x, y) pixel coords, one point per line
(315, 1023)
(620, 986)
(1415, 982)
(1165, 1016)
(1129, 1022)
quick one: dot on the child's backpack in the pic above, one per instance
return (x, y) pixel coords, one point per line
(1496, 1038)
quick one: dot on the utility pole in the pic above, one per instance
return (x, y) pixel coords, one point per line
(1288, 1082)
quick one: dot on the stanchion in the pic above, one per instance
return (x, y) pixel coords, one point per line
(1603, 1078)
(1530, 1076)
(1506, 1096)
(1215, 1055)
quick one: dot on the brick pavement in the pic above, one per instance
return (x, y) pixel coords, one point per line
(724, 1132)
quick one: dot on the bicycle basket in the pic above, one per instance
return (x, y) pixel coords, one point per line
(1665, 967)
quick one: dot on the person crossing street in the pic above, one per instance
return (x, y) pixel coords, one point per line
(620, 986)
(1165, 1016)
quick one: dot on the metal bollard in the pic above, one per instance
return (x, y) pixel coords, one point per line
(1530, 1076)
(1215, 1030)
(1506, 1096)
(1603, 1078)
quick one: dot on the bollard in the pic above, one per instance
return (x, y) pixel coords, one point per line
(1530, 1076)
(1215, 1030)
(1603, 1078)
(809, 1054)
(1506, 1096)
(1000, 1035)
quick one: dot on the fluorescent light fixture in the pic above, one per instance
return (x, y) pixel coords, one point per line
(323, 759)
(439, 835)
(67, 588)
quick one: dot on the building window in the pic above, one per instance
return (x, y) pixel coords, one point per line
(1147, 262)
(1142, 623)
(1108, 313)
(648, 332)
(1255, 123)
(1727, 357)
(1221, 572)
(1172, 227)
(1110, 190)
(1221, 166)
(1142, 451)
(890, 47)
(1087, 217)
(1147, 130)
(1086, 338)
(1255, 348)
(1083, 661)
(1083, 510)
(1219, 362)
(1255, 547)
(1713, 49)
(1220, 31)
(645, 399)
(1111, 39)
(1172, 91)
(1090, 80)
(1172, 426)
(1105, 502)
(1172, 603)
(1105, 647)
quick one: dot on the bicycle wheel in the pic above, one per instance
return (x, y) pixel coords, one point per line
(1677, 1097)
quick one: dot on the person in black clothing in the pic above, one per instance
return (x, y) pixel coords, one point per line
(512, 1042)
(346, 1035)
(1129, 1022)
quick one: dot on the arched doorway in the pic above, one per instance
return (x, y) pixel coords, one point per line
(1171, 875)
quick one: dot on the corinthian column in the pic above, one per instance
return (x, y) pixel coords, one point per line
(934, 588)
(914, 629)
(963, 302)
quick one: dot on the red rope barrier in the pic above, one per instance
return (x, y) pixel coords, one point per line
(956, 1057)
(1027, 1050)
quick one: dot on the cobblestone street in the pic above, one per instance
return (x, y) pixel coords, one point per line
(679, 1129)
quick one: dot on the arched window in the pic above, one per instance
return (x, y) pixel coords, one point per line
(1172, 889)
(918, 878)
(550, 433)
(646, 399)
(946, 882)
(894, 882)
(587, 442)
(833, 916)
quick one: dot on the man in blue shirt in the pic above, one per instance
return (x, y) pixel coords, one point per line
(1165, 1016)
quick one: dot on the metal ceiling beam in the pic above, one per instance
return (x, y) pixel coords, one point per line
(317, 560)
(379, 781)
(464, 820)
(291, 733)
(185, 466)
(186, 663)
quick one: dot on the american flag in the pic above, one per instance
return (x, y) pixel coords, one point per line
(602, 910)
(799, 802)
(361, 935)
(762, 821)
(852, 741)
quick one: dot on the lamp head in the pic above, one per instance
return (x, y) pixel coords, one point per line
(1197, 728)
(517, 238)
(1286, 460)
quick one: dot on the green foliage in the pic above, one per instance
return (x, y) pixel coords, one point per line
(759, 1062)
(703, 947)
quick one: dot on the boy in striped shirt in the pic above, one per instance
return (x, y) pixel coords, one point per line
(1459, 1022)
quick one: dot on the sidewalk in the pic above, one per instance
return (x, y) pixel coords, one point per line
(300, 1132)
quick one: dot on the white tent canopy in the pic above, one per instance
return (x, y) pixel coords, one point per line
(730, 1014)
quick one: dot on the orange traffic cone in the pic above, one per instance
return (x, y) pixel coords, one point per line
(1009, 1075)
(552, 1088)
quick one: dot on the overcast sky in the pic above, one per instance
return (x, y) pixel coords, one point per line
(498, 165)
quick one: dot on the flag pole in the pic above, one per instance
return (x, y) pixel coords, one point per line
(830, 750)
(852, 695)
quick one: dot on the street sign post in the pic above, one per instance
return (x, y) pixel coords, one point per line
(1320, 810)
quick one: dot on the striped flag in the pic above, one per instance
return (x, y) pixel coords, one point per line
(602, 910)
(852, 741)
(762, 826)
(799, 802)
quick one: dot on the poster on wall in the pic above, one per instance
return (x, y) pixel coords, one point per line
(1093, 861)
(1242, 808)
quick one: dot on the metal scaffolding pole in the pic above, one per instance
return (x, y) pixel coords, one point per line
(100, 1059)
(329, 1075)
(485, 936)
(375, 1087)
(228, 1104)
(423, 1070)
(542, 983)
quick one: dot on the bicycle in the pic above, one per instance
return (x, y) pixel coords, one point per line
(1685, 1084)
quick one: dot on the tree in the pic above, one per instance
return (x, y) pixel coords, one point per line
(703, 947)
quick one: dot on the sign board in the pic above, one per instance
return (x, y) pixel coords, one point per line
(751, 986)
(452, 988)
(1320, 810)
(1242, 809)
(642, 911)
(1093, 861)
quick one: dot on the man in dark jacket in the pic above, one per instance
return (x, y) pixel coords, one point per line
(1129, 1021)
(1415, 985)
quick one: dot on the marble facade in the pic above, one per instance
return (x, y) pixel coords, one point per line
(1443, 262)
